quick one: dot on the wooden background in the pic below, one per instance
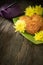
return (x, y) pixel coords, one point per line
(29, 2)
(15, 49)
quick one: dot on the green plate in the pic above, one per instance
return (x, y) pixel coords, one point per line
(27, 35)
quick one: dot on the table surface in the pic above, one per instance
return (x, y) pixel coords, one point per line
(15, 49)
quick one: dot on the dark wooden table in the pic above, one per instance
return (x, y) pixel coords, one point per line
(15, 49)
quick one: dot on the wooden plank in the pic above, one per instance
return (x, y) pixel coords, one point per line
(15, 49)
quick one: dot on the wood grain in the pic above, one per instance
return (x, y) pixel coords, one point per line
(15, 49)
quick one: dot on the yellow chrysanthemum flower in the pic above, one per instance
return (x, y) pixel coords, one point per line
(39, 36)
(20, 26)
(38, 10)
(29, 11)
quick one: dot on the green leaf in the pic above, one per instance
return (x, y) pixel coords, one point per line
(27, 35)
(31, 38)
(15, 19)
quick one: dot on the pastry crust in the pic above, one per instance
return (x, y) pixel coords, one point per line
(33, 23)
